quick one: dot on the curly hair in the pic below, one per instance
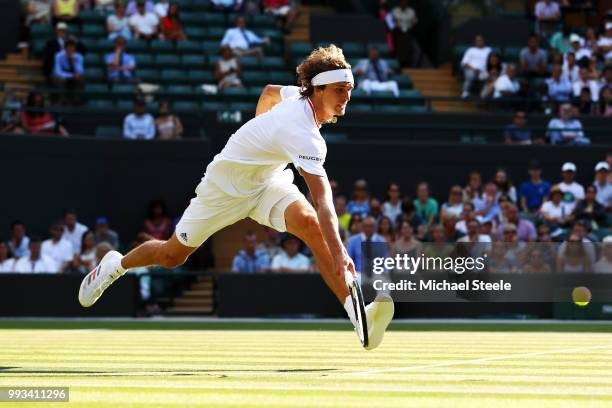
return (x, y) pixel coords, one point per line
(320, 60)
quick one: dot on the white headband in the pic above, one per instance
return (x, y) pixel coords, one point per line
(335, 75)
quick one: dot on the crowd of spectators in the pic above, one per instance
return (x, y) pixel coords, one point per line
(556, 66)
(496, 213)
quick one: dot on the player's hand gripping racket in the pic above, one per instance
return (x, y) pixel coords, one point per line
(358, 306)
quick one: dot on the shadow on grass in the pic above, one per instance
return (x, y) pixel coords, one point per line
(10, 371)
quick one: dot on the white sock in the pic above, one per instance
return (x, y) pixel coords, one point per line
(119, 267)
(350, 311)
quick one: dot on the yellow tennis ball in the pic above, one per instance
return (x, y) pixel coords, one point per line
(581, 295)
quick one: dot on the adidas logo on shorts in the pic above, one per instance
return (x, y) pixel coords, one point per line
(183, 236)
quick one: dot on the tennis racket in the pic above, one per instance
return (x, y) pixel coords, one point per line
(358, 307)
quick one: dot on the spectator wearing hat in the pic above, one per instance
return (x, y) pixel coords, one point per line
(474, 64)
(250, 259)
(373, 74)
(590, 210)
(35, 261)
(69, 70)
(58, 248)
(534, 192)
(556, 212)
(602, 185)
(120, 65)
(290, 259)
(585, 81)
(103, 233)
(360, 203)
(517, 132)
(576, 44)
(139, 125)
(604, 44)
(604, 265)
(572, 190)
(566, 129)
(54, 46)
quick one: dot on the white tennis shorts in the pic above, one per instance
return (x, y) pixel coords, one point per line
(213, 209)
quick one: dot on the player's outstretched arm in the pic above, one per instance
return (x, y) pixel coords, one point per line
(328, 221)
(269, 97)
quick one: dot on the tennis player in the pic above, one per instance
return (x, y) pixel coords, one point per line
(249, 179)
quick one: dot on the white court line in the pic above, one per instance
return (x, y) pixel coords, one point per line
(476, 361)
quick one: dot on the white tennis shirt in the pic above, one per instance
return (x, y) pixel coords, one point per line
(263, 147)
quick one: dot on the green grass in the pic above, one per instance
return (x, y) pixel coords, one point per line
(109, 364)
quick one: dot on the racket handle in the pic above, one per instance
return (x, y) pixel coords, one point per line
(349, 278)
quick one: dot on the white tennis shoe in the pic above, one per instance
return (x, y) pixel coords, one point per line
(98, 280)
(379, 314)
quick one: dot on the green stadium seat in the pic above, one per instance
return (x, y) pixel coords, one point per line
(93, 30)
(231, 19)
(199, 77)
(273, 63)
(235, 92)
(393, 64)
(256, 78)
(262, 21)
(511, 54)
(189, 106)
(282, 78)
(215, 19)
(159, 46)
(41, 31)
(358, 107)
(124, 89)
(105, 45)
(100, 104)
(212, 61)
(601, 233)
(144, 60)
(137, 46)
(196, 33)
(92, 16)
(255, 91)
(242, 106)
(185, 4)
(211, 47)
(403, 81)
(95, 74)
(249, 63)
(167, 61)
(274, 34)
(171, 75)
(38, 46)
(459, 50)
(383, 95)
(95, 89)
(382, 47)
(200, 5)
(148, 75)
(214, 106)
(399, 108)
(354, 49)
(74, 30)
(125, 104)
(188, 47)
(299, 49)
(193, 61)
(185, 90)
(90, 43)
(108, 132)
(411, 97)
(93, 60)
(216, 33)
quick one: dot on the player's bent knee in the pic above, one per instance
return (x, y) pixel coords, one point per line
(171, 260)
(310, 226)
